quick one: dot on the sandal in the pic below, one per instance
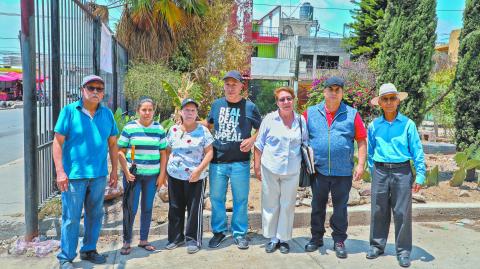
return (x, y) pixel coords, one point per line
(125, 250)
(147, 247)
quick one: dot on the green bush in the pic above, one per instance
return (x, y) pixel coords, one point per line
(444, 112)
(145, 80)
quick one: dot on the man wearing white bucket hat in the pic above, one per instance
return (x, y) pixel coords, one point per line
(393, 141)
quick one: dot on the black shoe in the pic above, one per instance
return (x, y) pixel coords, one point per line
(66, 265)
(373, 253)
(284, 248)
(216, 240)
(313, 245)
(241, 242)
(340, 250)
(93, 257)
(271, 247)
(404, 261)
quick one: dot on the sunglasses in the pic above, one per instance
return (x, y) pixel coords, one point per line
(283, 99)
(92, 89)
(391, 99)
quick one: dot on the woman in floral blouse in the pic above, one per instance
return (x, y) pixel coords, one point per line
(189, 152)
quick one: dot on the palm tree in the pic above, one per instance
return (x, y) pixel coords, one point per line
(149, 28)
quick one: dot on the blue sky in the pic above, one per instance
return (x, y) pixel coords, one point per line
(331, 20)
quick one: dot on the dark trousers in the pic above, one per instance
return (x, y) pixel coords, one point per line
(339, 186)
(183, 194)
(392, 191)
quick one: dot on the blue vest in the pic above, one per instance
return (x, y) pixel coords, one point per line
(333, 146)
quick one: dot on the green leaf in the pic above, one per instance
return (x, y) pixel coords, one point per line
(471, 164)
(166, 124)
(167, 87)
(458, 178)
(432, 177)
(460, 158)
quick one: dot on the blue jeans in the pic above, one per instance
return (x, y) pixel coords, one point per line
(80, 193)
(147, 185)
(239, 175)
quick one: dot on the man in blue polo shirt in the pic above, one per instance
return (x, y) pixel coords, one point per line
(84, 132)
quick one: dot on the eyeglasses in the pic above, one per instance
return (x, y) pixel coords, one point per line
(92, 89)
(391, 99)
(283, 99)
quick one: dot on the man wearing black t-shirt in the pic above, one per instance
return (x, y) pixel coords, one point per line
(232, 119)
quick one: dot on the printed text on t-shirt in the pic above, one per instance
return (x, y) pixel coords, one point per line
(228, 122)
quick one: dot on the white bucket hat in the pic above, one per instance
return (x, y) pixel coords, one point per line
(388, 88)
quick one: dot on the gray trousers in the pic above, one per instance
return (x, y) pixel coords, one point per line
(392, 191)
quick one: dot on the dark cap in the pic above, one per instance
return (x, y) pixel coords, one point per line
(334, 81)
(187, 101)
(91, 78)
(233, 74)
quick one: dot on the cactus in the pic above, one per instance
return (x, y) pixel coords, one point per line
(431, 178)
(466, 160)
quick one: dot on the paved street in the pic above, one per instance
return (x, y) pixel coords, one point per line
(11, 173)
(436, 245)
(11, 135)
(12, 170)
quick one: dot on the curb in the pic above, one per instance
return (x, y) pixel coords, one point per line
(357, 216)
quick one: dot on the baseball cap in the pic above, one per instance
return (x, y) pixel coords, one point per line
(187, 101)
(334, 81)
(91, 78)
(233, 74)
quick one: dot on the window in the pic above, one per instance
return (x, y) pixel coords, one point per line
(327, 62)
(308, 59)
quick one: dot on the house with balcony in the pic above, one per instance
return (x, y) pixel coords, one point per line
(265, 61)
(276, 39)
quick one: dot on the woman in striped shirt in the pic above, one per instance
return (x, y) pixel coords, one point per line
(150, 143)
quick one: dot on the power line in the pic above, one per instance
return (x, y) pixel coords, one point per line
(9, 14)
(344, 9)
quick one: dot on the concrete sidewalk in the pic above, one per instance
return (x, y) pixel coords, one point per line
(436, 245)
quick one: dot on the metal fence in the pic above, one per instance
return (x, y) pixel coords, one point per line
(61, 41)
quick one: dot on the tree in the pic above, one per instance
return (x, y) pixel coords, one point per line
(467, 79)
(367, 18)
(406, 50)
(148, 28)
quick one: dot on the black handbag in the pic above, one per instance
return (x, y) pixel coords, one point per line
(307, 166)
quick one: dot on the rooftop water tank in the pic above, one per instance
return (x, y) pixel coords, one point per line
(306, 12)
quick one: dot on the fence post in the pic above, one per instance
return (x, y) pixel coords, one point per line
(55, 53)
(27, 44)
(114, 74)
(97, 36)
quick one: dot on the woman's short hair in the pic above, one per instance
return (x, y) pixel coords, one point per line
(143, 101)
(283, 89)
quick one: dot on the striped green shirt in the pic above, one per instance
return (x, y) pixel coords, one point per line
(148, 142)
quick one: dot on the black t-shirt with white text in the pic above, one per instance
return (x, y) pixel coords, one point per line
(233, 122)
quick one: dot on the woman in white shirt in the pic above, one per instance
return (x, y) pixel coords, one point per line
(277, 165)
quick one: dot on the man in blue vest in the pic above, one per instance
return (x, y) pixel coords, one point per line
(85, 131)
(333, 127)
